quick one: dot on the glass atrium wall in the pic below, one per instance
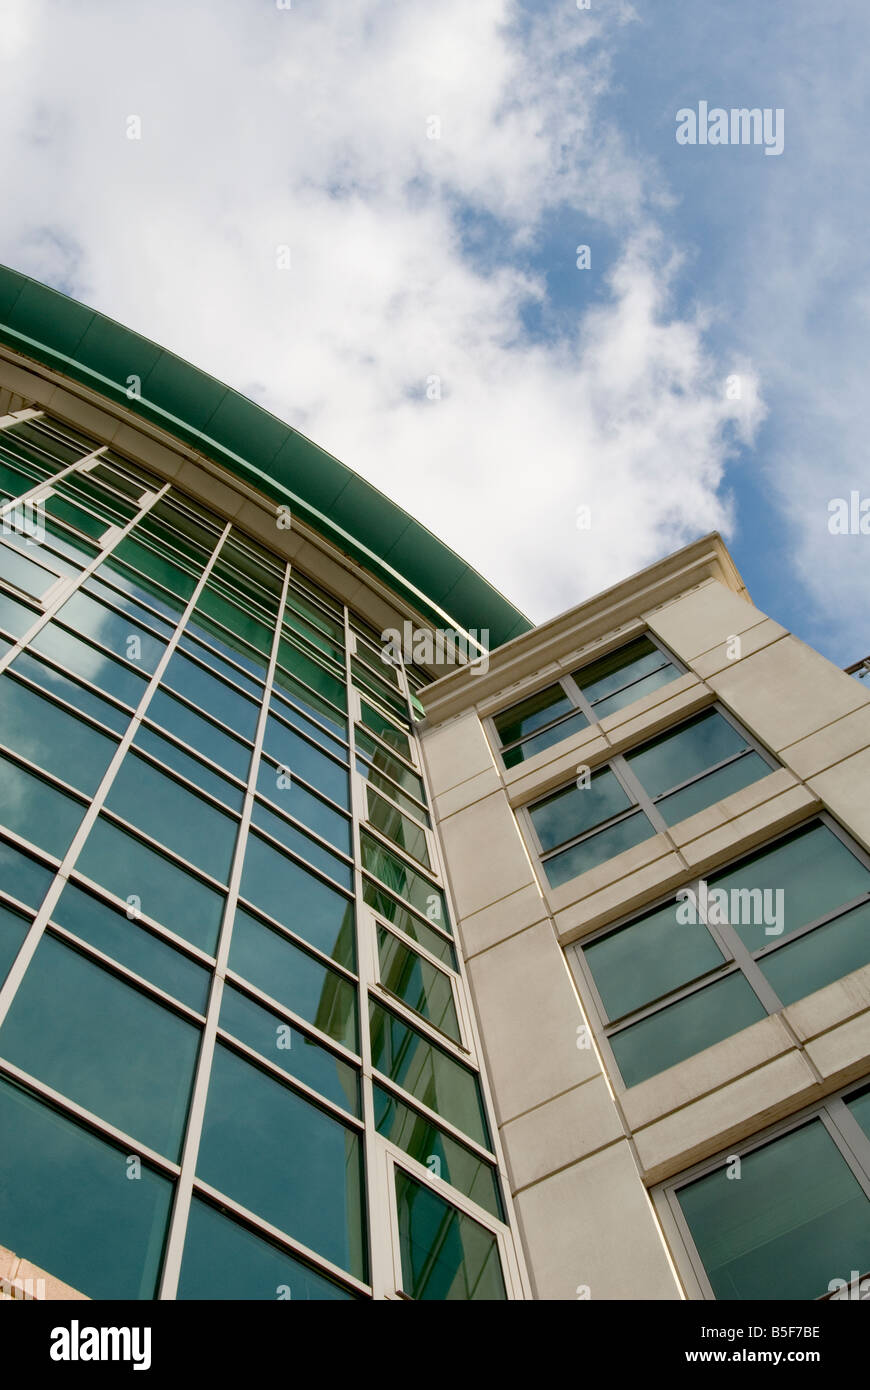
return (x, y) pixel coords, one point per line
(235, 1042)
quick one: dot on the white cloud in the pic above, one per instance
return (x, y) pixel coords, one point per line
(308, 127)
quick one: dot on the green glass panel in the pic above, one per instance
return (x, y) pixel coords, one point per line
(115, 631)
(286, 1047)
(378, 724)
(796, 1220)
(427, 1072)
(15, 617)
(366, 680)
(77, 551)
(229, 646)
(107, 1046)
(385, 762)
(420, 893)
(682, 1029)
(48, 736)
(106, 593)
(13, 929)
(860, 1107)
(418, 983)
(77, 517)
(67, 1199)
(55, 444)
(445, 1254)
(574, 809)
(307, 848)
(23, 573)
(530, 714)
(636, 691)
(13, 481)
(211, 695)
(298, 900)
(297, 602)
(225, 1261)
(126, 481)
(686, 752)
(594, 850)
(282, 706)
(398, 828)
(714, 787)
(284, 1159)
(315, 676)
(113, 575)
(390, 789)
(409, 923)
(279, 785)
(206, 738)
(293, 623)
(608, 675)
(235, 620)
(167, 811)
(163, 890)
(89, 492)
(521, 752)
(821, 957)
(57, 684)
(446, 1160)
(294, 978)
(22, 877)
(648, 958)
(120, 937)
(224, 668)
(81, 659)
(142, 558)
(37, 811)
(813, 872)
(301, 759)
(191, 768)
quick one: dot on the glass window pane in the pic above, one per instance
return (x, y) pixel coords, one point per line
(293, 692)
(23, 573)
(161, 889)
(66, 1199)
(389, 765)
(77, 517)
(636, 691)
(81, 659)
(230, 646)
(285, 1159)
(286, 1047)
(141, 557)
(113, 575)
(166, 810)
(228, 752)
(302, 759)
(57, 684)
(48, 736)
(398, 828)
(445, 1255)
(13, 929)
(115, 631)
(234, 620)
(521, 752)
(442, 1155)
(228, 670)
(303, 845)
(530, 714)
(686, 752)
(574, 809)
(293, 978)
(298, 900)
(625, 834)
(118, 936)
(37, 811)
(714, 787)
(647, 959)
(279, 785)
(22, 877)
(796, 1220)
(224, 1260)
(820, 957)
(189, 767)
(420, 985)
(15, 617)
(421, 894)
(104, 1044)
(121, 598)
(427, 1072)
(391, 736)
(860, 1107)
(813, 871)
(617, 669)
(211, 695)
(684, 1028)
(383, 784)
(325, 683)
(409, 923)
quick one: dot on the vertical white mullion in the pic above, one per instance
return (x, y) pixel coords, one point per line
(196, 1116)
(19, 416)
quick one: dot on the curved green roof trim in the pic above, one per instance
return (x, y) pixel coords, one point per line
(72, 339)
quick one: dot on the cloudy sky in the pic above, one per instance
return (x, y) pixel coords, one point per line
(429, 171)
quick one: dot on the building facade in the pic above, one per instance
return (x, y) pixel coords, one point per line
(334, 966)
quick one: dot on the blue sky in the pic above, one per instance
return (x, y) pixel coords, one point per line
(453, 257)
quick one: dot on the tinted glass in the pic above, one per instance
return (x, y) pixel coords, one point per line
(420, 893)
(420, 985)
(211, 695)
(301, 759)
(70, 691)
(397, 827)
(280, 787)
(189, 767)
(298, 900)
(166, 810)
(446, 1160)
(445, 1255)
(649, 958)
(687, 752)
(616, 670)
(199, 733)
(409, 923)
(714, 787)
(83, 660)
(53, 739)
(530, 714)
(820, 957)
(15, 617)
(427, 1072)
(116, 631)
(521, 752)
(36, 811)
(575, 809)
(625, 834)
(13, 929)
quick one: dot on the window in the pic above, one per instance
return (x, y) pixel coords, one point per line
(298, 899)
(644, 791)
(34, 809)
(47, 735)
(592, 693)
(396, 874)
(169, 812)
(777, 926)
(453, 1162)
(427, 1072)
(445, 1254)
(797, 1224)
(419, 984)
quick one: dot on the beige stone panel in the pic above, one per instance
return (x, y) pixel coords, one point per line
(537, 678)
(455, 751)
(752, 640)
(8, 1263)
(787, 692)
(54, 1289)
(88, 418)
(613, 870)
(830, 745)
(663, 695)
(147, 451)
(843, 1054)
(556, 1134)
(845, 789)
(529, 1015)
(699, 621)
(500, 920)
(466, 793)
(556, 766)
(226, 500)
(631, 893)
(726, 1116)
(592, 1225)
(486, 858)
(697, 1076)
(749, 830)
(826, 1008)
(33, 388)
(664, 714)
